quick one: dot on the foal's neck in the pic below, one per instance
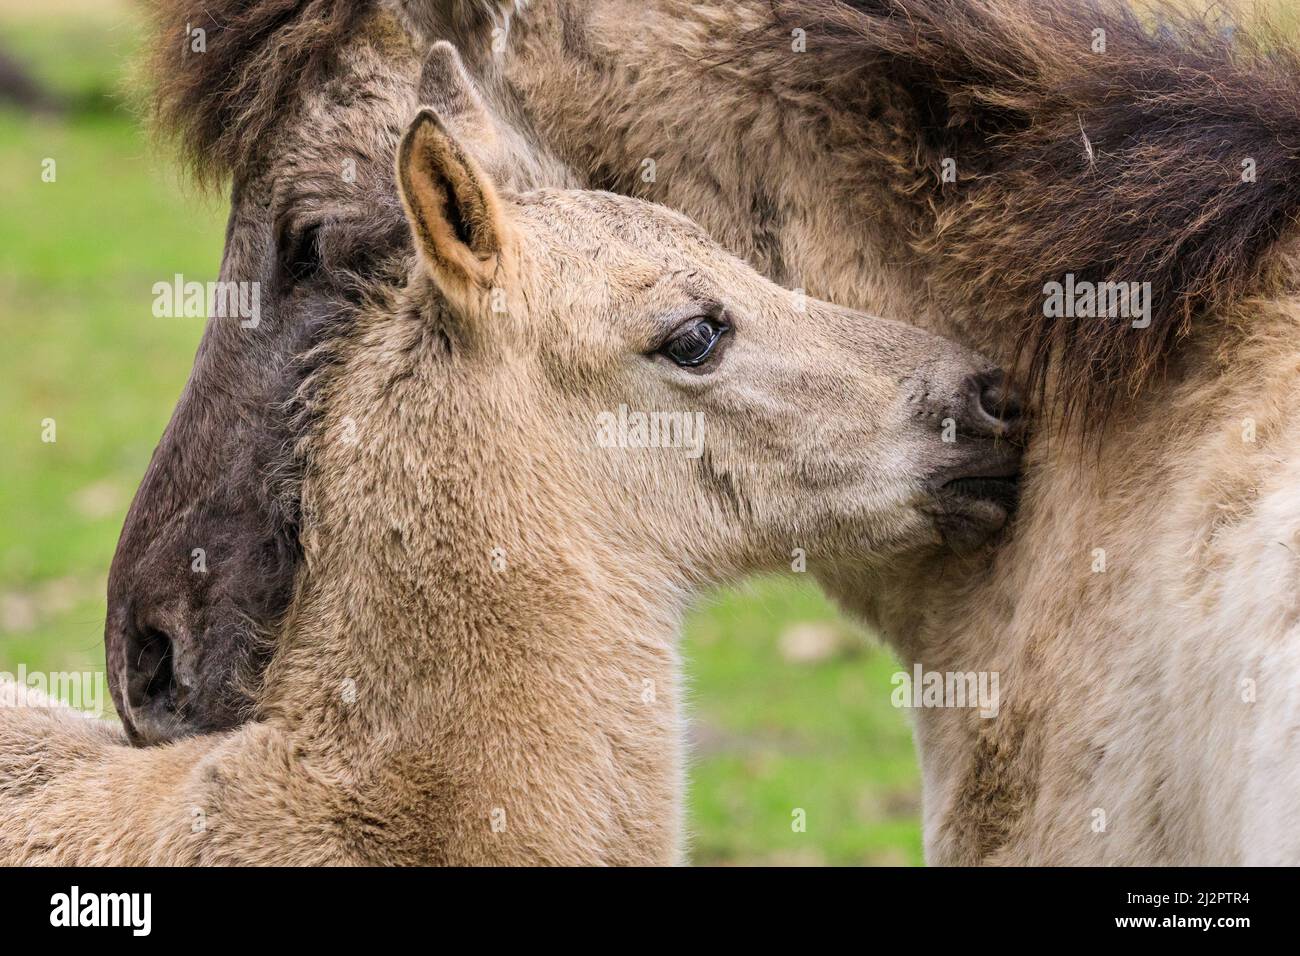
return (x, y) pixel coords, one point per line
(463, 649)
(529, 697)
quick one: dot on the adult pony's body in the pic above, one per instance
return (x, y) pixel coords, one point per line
(1144, 616)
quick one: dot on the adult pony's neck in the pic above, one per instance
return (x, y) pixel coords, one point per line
(665, 101)
(1089, 145)
(945, 162)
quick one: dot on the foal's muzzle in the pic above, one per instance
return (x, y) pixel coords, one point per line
(976, 493)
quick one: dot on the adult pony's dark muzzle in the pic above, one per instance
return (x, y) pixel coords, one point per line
(183, 657)
(203, 571)
(171, 680)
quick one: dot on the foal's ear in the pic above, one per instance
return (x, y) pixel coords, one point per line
(454, 212)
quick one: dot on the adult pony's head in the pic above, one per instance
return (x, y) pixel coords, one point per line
(299, 104)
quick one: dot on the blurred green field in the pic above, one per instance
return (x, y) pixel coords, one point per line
(789, 705)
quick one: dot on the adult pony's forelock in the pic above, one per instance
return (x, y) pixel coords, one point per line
(225, 71)
(1092, 142)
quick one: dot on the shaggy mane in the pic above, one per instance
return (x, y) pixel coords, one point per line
(260, 54)
(1121, 166)
(219, 104)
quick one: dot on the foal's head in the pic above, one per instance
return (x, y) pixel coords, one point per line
(669, 399)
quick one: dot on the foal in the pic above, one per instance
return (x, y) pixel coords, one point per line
(480, 661)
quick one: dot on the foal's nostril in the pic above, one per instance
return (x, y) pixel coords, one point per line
(994, 407)
(1001, 402)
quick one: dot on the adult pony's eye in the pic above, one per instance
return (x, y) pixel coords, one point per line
(694, 343)
(300, 257)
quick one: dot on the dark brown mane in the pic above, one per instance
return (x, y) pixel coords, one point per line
(219, 104)
(1117, 166)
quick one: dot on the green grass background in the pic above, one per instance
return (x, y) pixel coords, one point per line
(789, 705)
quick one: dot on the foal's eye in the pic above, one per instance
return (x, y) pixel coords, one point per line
(693, 343)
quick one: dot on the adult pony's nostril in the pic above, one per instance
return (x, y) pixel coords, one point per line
(160, 668)
(993, 407)
(152, 691)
